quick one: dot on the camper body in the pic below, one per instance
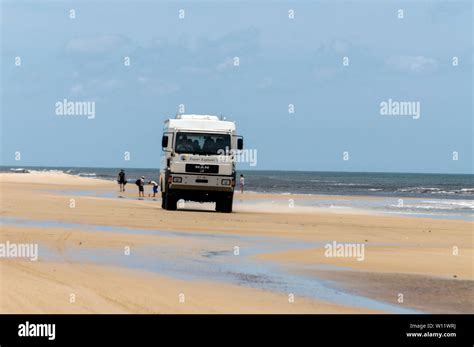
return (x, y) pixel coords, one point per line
(198, 161)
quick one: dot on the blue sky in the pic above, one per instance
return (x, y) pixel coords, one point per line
(282, 61)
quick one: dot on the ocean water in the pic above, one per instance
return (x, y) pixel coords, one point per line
(424, 194)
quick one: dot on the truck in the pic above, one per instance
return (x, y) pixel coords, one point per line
(198, 161)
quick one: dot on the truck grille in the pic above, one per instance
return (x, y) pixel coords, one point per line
(199, 168)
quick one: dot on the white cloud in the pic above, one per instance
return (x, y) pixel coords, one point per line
(163, 88)
(112, 84)
(142, 79)
(411, 63)
(77, 89)
(340, 46)
(228, 62)
(95, 44)
(265, 83)
(93, 86)
(195, 70)
(326, 73)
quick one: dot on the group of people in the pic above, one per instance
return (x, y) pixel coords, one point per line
(122, 181)
(184, 144)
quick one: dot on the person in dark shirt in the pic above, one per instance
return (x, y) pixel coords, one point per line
(122, 180)
(141, 187)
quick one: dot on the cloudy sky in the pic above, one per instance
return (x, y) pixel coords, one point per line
(282, 61)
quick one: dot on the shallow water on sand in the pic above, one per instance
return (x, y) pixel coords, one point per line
(209, 257)
(409, 207)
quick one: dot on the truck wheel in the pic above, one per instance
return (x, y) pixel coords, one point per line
(224, 203)
(228, 204)
(219, 205)
(170, 202)
(163, 200)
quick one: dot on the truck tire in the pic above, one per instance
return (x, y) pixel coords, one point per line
(228, 204)
(170, 201)
(163, 200)
(218, 205)
(224, 203)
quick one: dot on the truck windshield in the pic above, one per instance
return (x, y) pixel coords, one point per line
(202, 143)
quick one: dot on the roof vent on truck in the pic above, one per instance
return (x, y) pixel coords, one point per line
(196, 116)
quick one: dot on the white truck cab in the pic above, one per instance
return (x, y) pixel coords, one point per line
(198, 161)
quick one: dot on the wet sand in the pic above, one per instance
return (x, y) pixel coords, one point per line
(420, 292)
(50, 287)
(192, 251)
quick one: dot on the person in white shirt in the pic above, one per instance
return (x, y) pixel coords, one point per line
(242, 184)
(155, 187)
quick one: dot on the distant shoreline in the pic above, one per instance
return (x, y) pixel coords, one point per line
(33, 167)
(349, 193)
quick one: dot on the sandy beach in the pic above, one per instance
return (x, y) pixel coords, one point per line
(113, 253)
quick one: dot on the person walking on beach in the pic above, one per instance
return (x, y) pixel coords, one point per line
(242, 184)
(155, 187)
(122, 180)
(141, 186)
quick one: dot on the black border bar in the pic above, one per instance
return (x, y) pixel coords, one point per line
(317, 330)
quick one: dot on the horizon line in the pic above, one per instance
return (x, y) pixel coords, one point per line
(282, 170)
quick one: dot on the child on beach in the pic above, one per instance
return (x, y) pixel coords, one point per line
(122, 181)
(155, 187)
(242, 184)
(141, 184)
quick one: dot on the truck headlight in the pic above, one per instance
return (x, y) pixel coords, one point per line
(177, 179)
(225, 182)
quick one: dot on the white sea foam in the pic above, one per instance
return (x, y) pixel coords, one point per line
(340, 207)
(440, 204)
(47, 170)
(452, 203)
(417, 189)
(86, 174)
(21, 170)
